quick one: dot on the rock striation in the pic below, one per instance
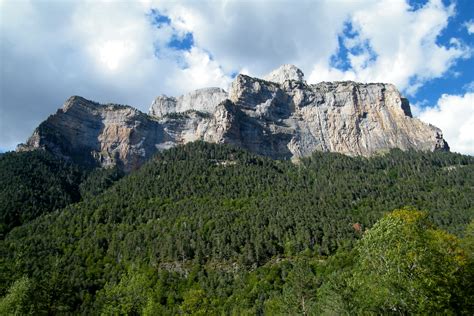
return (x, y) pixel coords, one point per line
(280, 116)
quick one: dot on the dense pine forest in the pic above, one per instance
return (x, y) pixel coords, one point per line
(33, 183)
(206, 229)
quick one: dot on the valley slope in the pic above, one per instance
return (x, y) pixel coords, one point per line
(231, 229)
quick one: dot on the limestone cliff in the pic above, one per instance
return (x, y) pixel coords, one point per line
(281, 117)
(91, 133)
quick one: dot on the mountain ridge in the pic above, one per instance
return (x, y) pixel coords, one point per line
(280, 116)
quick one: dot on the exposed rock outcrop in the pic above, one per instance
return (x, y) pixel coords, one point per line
(284, 73)
(202, 100)
(281, 117)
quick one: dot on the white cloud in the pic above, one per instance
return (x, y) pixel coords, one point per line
(454, 114)
(261, 35)
(405, 44)
(418, 107)
(201, 71)
(113, 53)
(104, 51)
(469, 26)
(109, 51)
(469, 87)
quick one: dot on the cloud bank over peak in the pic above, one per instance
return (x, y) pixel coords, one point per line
(129, 52)
(401, 45)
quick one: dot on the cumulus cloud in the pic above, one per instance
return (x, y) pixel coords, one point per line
(469, 26)
(201, 71)
(122, 52)
(454, 114)
(104, 51)
(469, 87)
(261, 35)
(392, 42)
(403, 45)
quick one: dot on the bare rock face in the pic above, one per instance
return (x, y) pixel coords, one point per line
(345, 117)
(91, 133)
(284, 73)
(203, 100)
(281, 117)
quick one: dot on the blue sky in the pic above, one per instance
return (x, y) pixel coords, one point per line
(458, 78)
(129, 52)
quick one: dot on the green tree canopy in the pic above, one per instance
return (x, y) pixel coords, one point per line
(18, 299)
(405, 265)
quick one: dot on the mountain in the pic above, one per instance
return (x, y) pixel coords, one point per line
(280, 116)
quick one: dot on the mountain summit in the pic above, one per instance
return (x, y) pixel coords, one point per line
(284, 73)
(280, 116)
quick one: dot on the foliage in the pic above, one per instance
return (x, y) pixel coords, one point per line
(99, 180)
(33, 183)
(18, 299)
(404, 265)
(36, 182)
(207, 228)
(128, 296)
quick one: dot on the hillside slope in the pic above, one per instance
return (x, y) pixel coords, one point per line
(32, 183)
(230, 211)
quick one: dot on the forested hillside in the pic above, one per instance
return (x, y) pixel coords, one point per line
(32, 183)
(37, 182)
(210, 229)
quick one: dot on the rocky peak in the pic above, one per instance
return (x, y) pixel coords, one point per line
(77, 101)
(91, 133)
(284, 73)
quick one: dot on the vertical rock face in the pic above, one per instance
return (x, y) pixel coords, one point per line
(345, 117)
(281, 117)
(91, 133)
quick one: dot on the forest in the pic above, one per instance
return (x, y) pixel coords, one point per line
(208, 229)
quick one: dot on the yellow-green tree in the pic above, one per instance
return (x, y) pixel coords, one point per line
(196, 303)
(405, 265)
(128, 297)
(18, 299)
